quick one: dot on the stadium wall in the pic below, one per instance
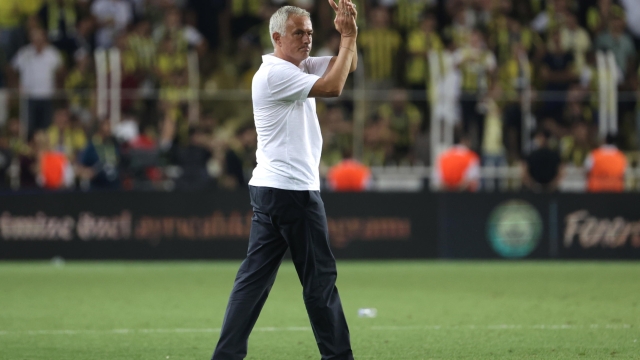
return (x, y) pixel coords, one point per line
(215, 225)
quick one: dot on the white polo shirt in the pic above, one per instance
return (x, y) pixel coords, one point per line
(37, 70)
(289, 137)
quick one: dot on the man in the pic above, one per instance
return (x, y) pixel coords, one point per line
(542, 171)
(184, 35)
(558, 72)
(380, 45)
(615, 39)
(606, 166)
(112, 16)
(59, 18)
(38, 64)
(477, 66)
(404, 120)
(100, 160)
(458, 168)
(65, 135)
(349, 175)
(284, 189)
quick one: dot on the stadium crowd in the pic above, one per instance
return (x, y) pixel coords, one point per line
(52, 137)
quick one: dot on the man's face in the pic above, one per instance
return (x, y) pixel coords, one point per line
(617, 25)
(38, 38)
(296, 41)
(173, 19)
(61, 118)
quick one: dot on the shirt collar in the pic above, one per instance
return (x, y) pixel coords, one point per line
(272, 59)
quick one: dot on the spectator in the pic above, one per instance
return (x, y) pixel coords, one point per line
(10, 32)
(59, 18)
(100, 160)
(617, 41)
(477, 65)
(380, 45)
(576, 146)
(15, 139)
(558, 72)
(112, 16)
(552, 17)
(606, 167)
(349, 175)
(420, 42)
(598, 16)
(240, 158)
(65, 136)
(28, 163)
(54, 171)
(336, 136)
(493, 150)
(169, 60)
(144, 46)
(184, 36)
(542, 170)
(193, 160)
(407, 14)
(404, 120)
(575, 39)
(378, 142)
(84, 38)
(459, 31)
(632, 13)
(458, 168)
(38, 64)
(80, 87)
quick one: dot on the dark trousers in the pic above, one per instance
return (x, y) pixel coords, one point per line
(39, 114)
(296, 220)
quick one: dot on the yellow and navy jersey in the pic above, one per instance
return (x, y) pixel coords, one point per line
(476, 67)
(245, 7)
(380, 47)
(407, 13)
(145, 49)
(419, 44)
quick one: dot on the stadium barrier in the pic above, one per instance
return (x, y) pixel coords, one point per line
(211, 225)
(215, 225)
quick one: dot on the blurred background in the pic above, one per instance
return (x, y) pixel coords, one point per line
(132, 119)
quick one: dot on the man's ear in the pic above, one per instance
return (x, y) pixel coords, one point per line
(276, 38)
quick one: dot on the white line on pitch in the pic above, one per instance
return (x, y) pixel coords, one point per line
(303, 328)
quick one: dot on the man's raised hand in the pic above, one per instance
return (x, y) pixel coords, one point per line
(346, 14)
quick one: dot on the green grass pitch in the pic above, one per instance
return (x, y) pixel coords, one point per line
(426, 310)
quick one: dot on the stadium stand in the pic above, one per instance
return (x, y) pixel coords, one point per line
(172, 78)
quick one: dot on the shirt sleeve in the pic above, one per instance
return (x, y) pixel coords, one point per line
(317, 65)
(288, 83)
(18, 59)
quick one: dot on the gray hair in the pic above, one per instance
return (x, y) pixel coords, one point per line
(278, 21)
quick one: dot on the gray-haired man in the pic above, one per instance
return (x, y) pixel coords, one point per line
(285, 187)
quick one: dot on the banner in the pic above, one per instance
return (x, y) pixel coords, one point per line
(215, 225)
(490, 226)
(209, 225)
(599, 226)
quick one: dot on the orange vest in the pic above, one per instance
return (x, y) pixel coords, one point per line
(52, 166)
(453, 165)
(349, 175)
(607, 172)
